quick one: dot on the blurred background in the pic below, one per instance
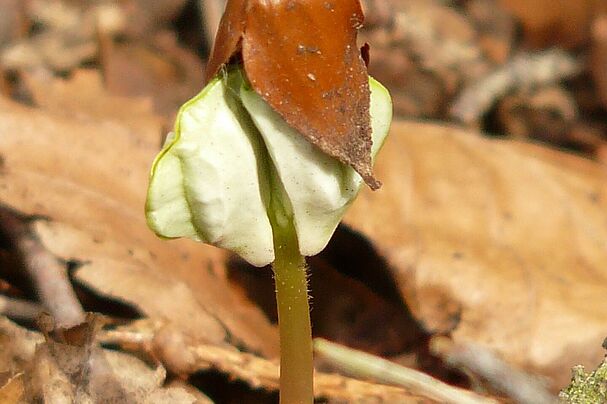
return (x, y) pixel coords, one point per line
(527, 69)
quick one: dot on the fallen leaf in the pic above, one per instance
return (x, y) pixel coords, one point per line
(51, 371)
(83, 99)
(158, 68)
(499, 243)
(116, 375)
(353, 315)
(13, 391)
(88, 175)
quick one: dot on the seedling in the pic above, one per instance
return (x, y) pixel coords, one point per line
(266, 159)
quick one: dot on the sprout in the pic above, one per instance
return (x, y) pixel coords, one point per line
(268, 157)
(234, 174)
(231, 155)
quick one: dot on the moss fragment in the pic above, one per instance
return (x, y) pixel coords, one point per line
(586, 388)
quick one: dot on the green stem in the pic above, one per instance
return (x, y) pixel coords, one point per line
(296, 366)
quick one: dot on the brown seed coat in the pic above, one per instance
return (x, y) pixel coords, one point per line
(301, 57)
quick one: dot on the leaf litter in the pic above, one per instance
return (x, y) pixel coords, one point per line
(105, 234)
(492, 244)
(497, 243)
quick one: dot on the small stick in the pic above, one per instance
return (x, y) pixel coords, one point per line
(525, 70)
(523, 388)
(19, 309)
(366, 366)
(46, 271)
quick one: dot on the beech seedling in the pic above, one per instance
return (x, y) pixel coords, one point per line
(266, 159)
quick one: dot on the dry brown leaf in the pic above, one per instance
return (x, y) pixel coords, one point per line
(13, 391)
(555, 22)
(83, 99)
(499, 243)
(353, 314)
(23, 349)
(88, 176)
(159, 68)
(54, 372)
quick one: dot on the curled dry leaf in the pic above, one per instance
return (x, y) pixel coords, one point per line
(86, 172)
(499, 243)
(317, 82)
(46, 370)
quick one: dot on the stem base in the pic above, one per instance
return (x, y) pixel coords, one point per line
(296, 362)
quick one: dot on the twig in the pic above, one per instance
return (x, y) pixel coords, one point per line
(184, 356)
(19, 309)
(523, 388)
(525, 70)
(46, 271)
(363, 365)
